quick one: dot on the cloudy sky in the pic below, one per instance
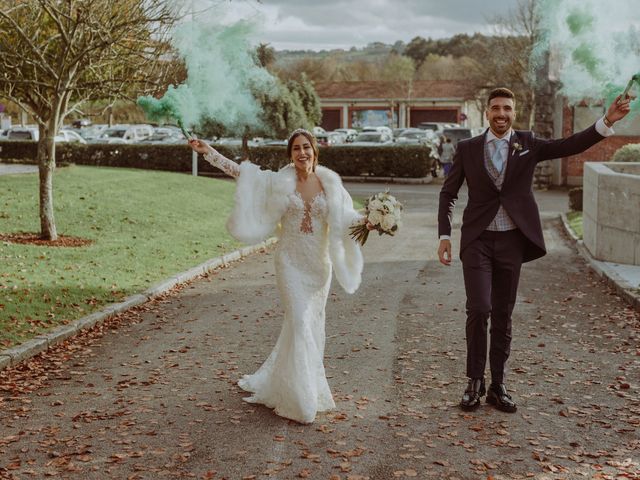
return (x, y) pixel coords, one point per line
(327, 24)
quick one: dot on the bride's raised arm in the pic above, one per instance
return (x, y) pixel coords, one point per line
(215, 158)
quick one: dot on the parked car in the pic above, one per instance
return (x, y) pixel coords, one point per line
(349, 133)
(81, 123)
(412, 136)
(23, 133)
(380, 129)
(331, 138)
(236, 142)
(65, 135)
(437, 127)
(456, 134)
(125, 133)
(398, 131)
(169, 135)
(318, 131)
(90, 134)
(228, 141)
(270, 142)
(372, 139)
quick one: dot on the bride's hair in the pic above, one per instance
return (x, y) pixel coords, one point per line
(312, 140)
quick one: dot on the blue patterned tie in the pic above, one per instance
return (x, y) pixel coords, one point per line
(497, 158)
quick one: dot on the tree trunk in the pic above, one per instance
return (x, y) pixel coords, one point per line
(46, 166)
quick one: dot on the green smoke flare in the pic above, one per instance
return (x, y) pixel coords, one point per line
(223, 78)
(593, 47)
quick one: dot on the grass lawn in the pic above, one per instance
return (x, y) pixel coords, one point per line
(145, 225)
(575, 223)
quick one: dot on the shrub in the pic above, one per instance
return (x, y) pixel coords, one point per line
(627, 153)
(388, 161)
(575, 199)
(25, 151)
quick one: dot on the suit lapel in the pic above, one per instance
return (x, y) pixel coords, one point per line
(512, 155)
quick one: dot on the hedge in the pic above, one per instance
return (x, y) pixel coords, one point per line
(386, 161)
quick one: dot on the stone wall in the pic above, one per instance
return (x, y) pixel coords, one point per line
(611, 211)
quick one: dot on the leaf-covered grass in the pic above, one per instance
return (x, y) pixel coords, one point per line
(575, 223)
(145, 226)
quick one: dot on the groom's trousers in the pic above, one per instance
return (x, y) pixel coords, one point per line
(491, 266)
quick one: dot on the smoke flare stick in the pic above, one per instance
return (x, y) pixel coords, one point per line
(635, 78)
(185, 132)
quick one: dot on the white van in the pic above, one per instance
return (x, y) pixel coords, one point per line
(23, 133)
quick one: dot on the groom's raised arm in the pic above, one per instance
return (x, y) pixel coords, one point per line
(580, 141)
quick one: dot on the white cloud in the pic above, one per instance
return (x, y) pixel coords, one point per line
(306, 24)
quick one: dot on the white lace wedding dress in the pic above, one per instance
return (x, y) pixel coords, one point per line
(292, 380)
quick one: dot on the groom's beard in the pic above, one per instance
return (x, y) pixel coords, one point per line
(501, 127)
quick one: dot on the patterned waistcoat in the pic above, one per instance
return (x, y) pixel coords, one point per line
(502, 221)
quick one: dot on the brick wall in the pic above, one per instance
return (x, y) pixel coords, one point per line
(573, 167)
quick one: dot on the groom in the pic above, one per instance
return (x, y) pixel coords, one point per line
(500, 230)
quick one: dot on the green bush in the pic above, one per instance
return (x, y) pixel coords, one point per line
(575, 199)
(25, 151)
(627, 153)
(391, 161)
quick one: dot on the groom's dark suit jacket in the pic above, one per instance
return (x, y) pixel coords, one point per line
(516, 196)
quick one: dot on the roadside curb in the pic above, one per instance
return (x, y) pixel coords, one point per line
(13, 356)
(628, 292)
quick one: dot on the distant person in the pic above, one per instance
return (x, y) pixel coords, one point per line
(312, 212)
(446, 157)
(501, 230)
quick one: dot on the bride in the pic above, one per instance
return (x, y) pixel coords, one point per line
(312, 212)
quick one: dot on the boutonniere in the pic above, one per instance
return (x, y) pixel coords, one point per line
(516, 148)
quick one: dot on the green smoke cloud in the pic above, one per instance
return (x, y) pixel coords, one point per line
(594, 49)
(223, 77)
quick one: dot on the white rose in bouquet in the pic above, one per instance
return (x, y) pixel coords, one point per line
(382, 213)
(375, 204)
(375, 217)
(388, 222)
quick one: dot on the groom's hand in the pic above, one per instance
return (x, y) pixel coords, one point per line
(619, 108)
(444, 252)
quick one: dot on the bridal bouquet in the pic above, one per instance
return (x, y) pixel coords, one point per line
(382, 212)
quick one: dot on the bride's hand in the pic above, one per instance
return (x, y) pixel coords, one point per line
(200, 146)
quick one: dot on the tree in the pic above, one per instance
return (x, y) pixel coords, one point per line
(396, 68)
(417, 50)
(309, 99)
(57, 54)
(291, 103)
(266, 55)
(507, 60)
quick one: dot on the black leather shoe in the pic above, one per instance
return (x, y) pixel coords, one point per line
(499, 397)
(472, 395)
